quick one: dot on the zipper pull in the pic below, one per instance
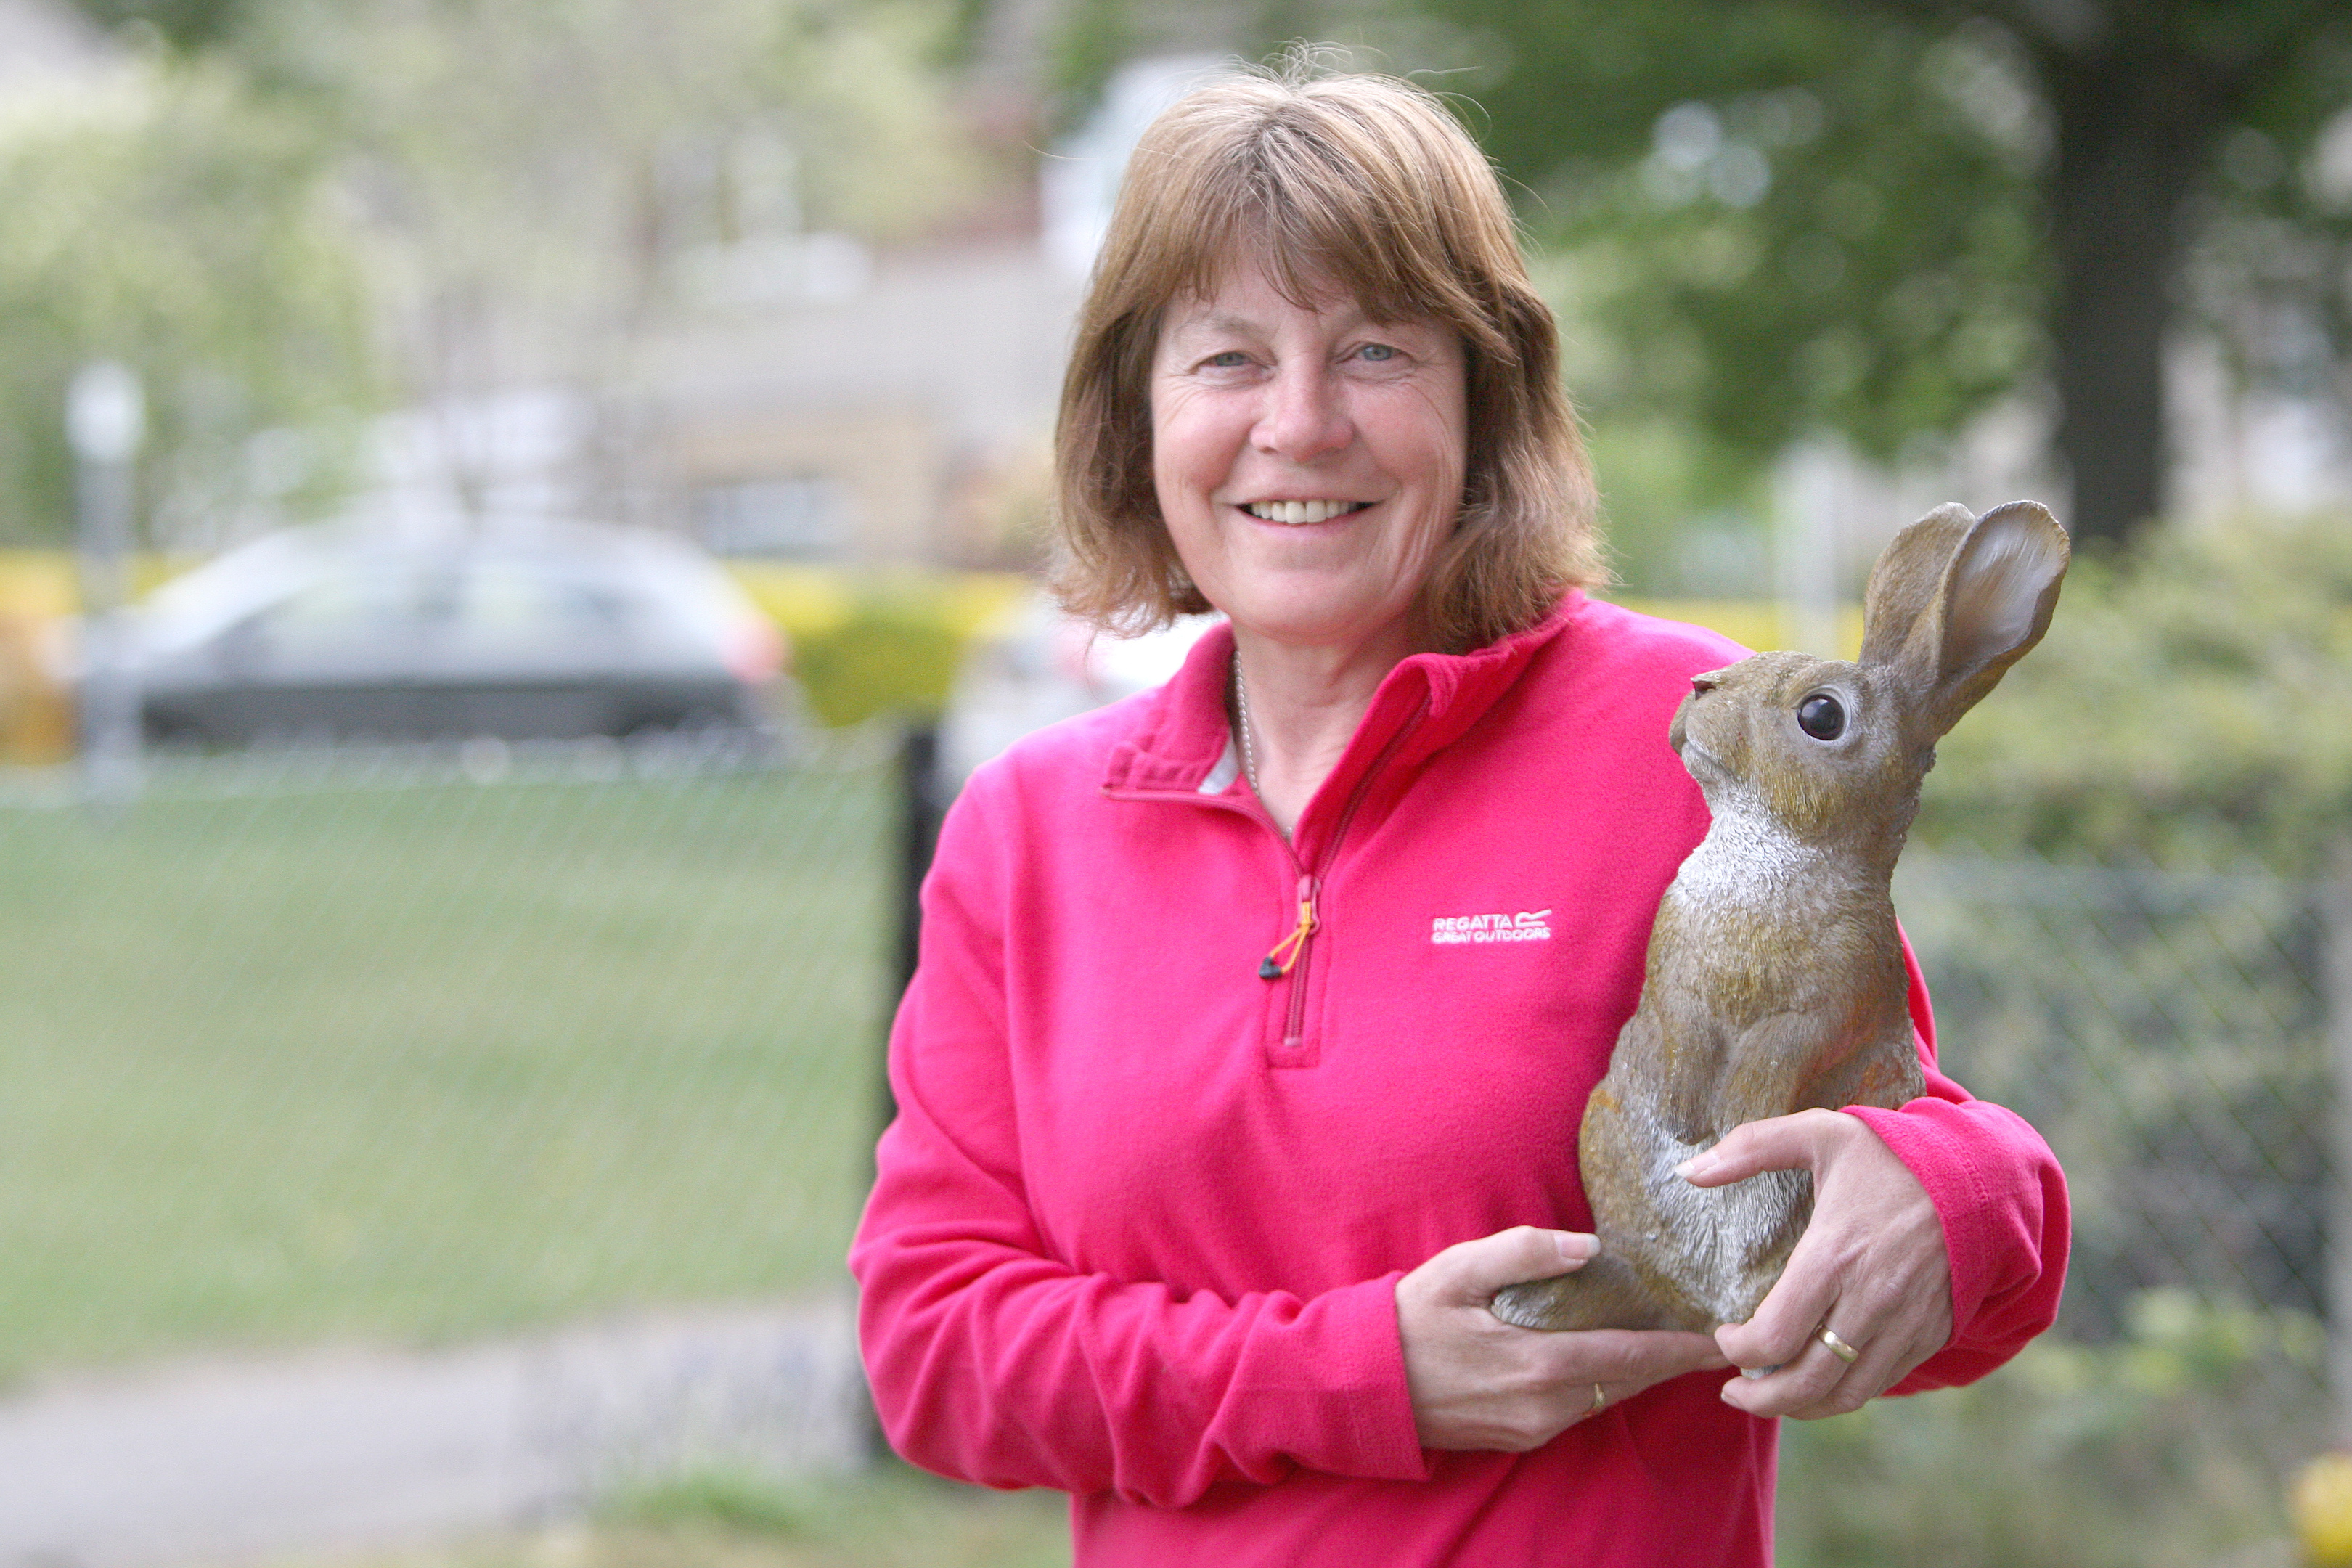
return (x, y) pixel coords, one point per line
(1286, 952)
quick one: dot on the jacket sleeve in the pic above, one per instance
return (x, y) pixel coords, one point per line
(992, 1359)
(2003, 1199)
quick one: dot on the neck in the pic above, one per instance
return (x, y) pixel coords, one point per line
(1306, 703)
(1751, 859)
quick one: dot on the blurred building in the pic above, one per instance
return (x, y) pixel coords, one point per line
(846, 422)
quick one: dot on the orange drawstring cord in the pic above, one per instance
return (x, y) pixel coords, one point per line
(1285, 953)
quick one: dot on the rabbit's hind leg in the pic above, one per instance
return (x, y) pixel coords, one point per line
(1606, 1293)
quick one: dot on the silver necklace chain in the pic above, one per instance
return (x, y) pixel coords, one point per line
(1241, 705)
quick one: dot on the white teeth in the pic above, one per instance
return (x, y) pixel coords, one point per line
(1296, 511)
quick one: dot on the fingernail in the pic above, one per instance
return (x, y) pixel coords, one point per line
(1575, 1247)
(1696, 1165)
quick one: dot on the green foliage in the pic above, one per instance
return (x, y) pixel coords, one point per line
(1681, 516)
(2187, 705)
(1095, 39)
(1784, 216)
(896, 652)
(1799, 214)
(316, 206)
(2163, 1450)
(172, 224)
(186, 23)
(539, 164)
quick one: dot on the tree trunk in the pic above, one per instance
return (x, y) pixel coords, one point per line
(2135, 123)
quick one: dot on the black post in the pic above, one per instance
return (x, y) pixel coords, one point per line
(919, 810)
(921, 807)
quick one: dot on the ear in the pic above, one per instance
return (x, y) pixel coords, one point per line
(1907, 578)
(1990, 602)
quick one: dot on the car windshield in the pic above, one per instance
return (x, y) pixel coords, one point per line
(503, 602)
(508, 603)
(356, 607)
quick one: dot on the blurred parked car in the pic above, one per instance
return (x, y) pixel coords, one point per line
(522, 631)
(1041, 666)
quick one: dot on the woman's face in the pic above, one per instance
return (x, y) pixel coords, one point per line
(1309, 461)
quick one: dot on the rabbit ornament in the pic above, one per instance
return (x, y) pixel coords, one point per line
(1775, 979)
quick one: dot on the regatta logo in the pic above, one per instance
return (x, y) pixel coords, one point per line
(1528, 925)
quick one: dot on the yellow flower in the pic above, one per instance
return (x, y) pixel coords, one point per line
(2321, 1499)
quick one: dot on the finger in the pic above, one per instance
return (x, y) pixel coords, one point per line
(1814, 1380)
(1636, 1357)
(1777, 1143)
(1776, 1333)
(1878, 1365)
(1472, 1272)
(1887, 1350)
(1882, 1358)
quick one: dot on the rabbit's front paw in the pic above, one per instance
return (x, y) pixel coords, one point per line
(1535, 1303)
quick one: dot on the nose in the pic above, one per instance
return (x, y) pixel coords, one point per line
(1303, 417)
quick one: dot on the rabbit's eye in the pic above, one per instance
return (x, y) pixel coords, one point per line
(1822, 716)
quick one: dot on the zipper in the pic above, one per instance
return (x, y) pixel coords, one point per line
(1292, 956)
(1292, 948)
(1309, 886)
(1294, 1029)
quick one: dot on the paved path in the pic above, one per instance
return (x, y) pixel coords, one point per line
(231, 1461)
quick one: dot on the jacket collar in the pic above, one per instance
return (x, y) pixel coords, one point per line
(1185, 730)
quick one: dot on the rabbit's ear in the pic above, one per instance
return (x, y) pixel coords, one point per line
(1906, 579)
(1957, 600)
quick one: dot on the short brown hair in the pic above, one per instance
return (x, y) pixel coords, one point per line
(1369, 183)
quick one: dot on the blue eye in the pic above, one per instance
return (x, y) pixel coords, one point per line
(1379, 351)
(1232, 359)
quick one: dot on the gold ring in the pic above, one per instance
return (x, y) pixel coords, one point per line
(1600, 1402)
(1838, 1347)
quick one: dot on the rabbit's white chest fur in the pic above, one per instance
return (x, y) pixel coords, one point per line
(1750, 862)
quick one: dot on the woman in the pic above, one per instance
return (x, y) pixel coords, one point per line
(1256, 1013)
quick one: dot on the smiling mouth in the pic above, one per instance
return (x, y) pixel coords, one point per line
(1294, 512)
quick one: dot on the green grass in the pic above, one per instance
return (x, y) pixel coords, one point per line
(891, 1517)
(426, 1063)
(894, 1515)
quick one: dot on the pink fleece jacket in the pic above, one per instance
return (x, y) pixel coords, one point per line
(1136, 1229)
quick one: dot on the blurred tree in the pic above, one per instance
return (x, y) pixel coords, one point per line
(1876, 218)
(168, 222)
(538, 180)
(491, 195)
(185, 24)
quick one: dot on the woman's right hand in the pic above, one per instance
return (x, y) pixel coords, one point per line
(1479, 1383)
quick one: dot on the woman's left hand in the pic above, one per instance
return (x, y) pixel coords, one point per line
(1871, 1266)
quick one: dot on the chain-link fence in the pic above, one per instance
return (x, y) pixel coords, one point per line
(428, 1047)
(2166, 1032)
(419, 1046)
(2169, 1031)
